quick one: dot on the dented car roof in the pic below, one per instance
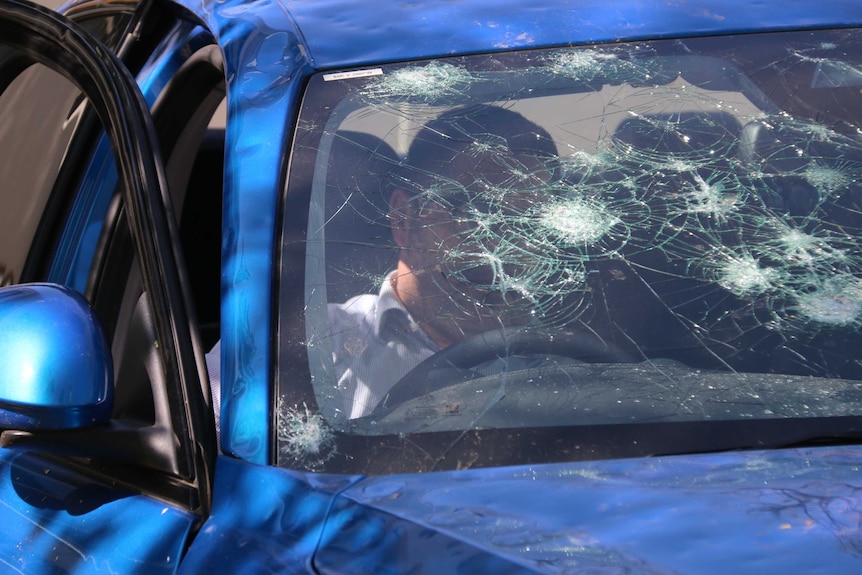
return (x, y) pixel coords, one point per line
(341, 32)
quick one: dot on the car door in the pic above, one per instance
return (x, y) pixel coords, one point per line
(124, 495)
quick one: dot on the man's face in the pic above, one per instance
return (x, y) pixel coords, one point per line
(464, 244)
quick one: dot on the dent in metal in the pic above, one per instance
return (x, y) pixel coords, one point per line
(796, 510)
(263, 57)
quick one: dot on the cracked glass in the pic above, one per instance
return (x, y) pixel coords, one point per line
(631, 234)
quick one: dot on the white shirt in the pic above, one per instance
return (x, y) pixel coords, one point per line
(375, 342)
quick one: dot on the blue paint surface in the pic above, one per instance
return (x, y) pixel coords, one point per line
(785, 511)
(339, 32)
(57, 371)
(265, 64)
(265, 520)
(795, 511)
(55, 521)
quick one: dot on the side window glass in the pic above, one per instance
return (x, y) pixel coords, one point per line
(39, 111)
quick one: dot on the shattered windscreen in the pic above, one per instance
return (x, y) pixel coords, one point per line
(591, 237)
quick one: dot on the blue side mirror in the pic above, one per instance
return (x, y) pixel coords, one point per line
(55, 363)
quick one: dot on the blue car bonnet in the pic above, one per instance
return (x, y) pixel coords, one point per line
(785, 511)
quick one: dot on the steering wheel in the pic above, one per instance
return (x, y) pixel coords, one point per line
(451, 366)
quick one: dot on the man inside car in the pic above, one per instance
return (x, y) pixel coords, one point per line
(468, 175)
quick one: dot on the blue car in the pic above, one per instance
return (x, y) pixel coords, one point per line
(431, 287)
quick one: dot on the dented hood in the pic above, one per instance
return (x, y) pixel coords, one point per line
(781, 511)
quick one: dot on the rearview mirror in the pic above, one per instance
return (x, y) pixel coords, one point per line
(55, 363)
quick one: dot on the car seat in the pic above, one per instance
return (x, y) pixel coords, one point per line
(359, 249)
